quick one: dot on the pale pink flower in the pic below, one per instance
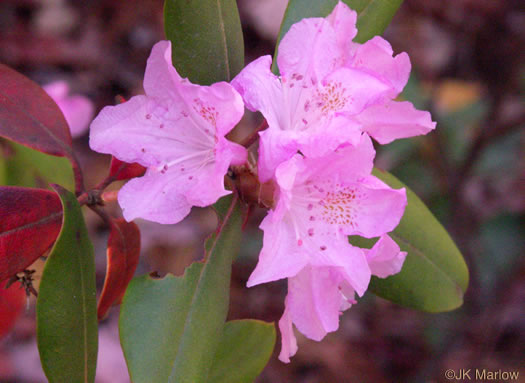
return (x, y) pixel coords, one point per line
(318, 295)
(78, 110)
(319, 203)
(177, 132)
(330, 90)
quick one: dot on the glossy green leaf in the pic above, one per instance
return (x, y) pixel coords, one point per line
(206, 38)
(67, 331)
(434, 277)
(373, 16)
(31, 168)
(244, 349)
(170, 327)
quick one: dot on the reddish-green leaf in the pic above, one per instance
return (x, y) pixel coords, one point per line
(30, 117)
(12, 302)
(122, 260)
(124, 171)
(31, 221)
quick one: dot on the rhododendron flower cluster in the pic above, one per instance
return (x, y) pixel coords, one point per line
(331, 98)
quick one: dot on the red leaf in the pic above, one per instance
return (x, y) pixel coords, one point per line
(30, 117)
(31, 221)
(12, 302)
(124, 171)
(122, 260)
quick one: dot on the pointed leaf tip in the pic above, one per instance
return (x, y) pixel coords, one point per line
(122, 260)
(31, 221)
(124, 171)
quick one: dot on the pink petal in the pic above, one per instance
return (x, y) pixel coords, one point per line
(314, 301)
(343, 20)
(355, 89)
(132, 132)
(338, 132)
(78, 110)
(288, 341)
(394, 120)
(385, 257)
(57, 90)
(349, 260)
(361, 157)
(275, 147)
(280, 256)
(156, 197)
(237, 153)
(308, 49)
(375, 56)
(261, 90)
(218, 106)
(347, 296)
(375, 210)
(206, 185)
(161, 78)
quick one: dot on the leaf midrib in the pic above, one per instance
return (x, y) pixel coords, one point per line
(224, 40)
(30, 225)
(198, 285)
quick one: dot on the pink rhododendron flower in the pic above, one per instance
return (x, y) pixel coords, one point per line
(78, 110)
(177, 132)
(320, 202)
(318, 295)
(330, 90)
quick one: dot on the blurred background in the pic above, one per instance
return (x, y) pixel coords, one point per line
(468, 70)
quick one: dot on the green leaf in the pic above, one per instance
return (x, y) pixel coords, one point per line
(67, 331)
(244, 350)
(206, 38)
(31, 168)
(373, 16)
(434, 277)
(171, 327)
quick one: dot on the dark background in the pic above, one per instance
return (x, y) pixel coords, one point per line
(468, 70)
